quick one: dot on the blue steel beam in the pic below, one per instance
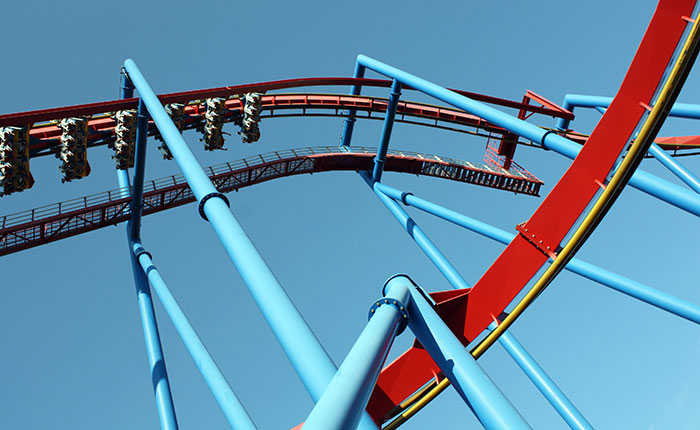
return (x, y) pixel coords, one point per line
(380, 158)
(306, 354)
(346, 397)
(650, 184)
(417, 234)
(542, 381)
(230, 405)
(675, 167)
(571, 101)
(488, 403)
(346, 136)
(637, 290)
(154, 350)
(679, 110)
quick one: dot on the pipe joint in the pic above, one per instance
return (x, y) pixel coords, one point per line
(126, 81)
(138, 252)
(404, 195)
(544, 136)
(396, 278)
(403, 321)
(207, 197)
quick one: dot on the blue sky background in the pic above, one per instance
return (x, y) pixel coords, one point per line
(73, 353)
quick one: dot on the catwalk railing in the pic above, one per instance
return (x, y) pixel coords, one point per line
(49, 223)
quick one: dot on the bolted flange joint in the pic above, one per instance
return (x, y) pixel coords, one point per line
(207, 197)
(403, 321)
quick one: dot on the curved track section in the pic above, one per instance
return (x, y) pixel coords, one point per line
(469, 312)
(51, 223)
(45, 136)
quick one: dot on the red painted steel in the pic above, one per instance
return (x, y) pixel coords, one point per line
(46, 136)
(54, 222)
(520, 261)
(91, 109)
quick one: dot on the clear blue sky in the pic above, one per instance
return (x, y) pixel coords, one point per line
(73, 353)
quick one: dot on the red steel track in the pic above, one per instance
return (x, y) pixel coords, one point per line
(44, 136)
(50, 223)
(469, 312)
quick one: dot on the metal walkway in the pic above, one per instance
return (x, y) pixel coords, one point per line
(50, 223)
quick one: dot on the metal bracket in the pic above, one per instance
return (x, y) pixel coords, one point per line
(548, 250)
(207, 197)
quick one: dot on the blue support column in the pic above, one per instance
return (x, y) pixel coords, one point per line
(650, 184)
(571, 101)
(380, 158)
(346, 136)
(231, 406)
(417, 234)
(675, 167)
(346, 397)
(156, 361)
(637, 290)
(542, 381)
(488, 403)
(681, 110)
(308, 357)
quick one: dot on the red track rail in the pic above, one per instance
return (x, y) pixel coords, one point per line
(91, 109)
(46, 136)
(50, 223)
(469, 312)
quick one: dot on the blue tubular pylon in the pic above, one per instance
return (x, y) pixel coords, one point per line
(571, 101)
(346, 136)
(488, 403)
(681, 110)
(380, 158)
(650, 184)
(675, 167)
(637, 290)
(542, 381)
(149, 324)
(346, 397)
(231, 406)
(417, 234)
(306, 354)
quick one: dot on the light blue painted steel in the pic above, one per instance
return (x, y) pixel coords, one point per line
(235, 413)
(637, 290)
(571, 101)
(542, 381)
(682, 110)
(417, 234)
(134, 225)
(154, 350)
(346, 136)
(346, 397)
(650, 184)
(380, 158)
(308, 357)
(488, 403)
(675, 167)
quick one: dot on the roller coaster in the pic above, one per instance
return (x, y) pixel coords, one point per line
(453, 328)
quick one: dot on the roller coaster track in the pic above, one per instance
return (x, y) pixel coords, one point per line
(45, 135)
(468, 312)
(61, 220)
(541, 238)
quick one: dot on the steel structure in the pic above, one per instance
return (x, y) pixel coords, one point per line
(453, 328)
